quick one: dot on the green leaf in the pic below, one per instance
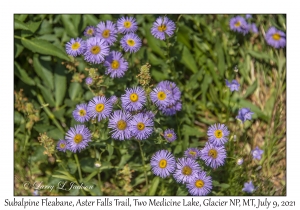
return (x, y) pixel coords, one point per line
(18, 47)
(91, 19)
(69, 26)
(44, 47)
(250, 89)
(182, 191)
(60, 84)
(188, 60)
(87, 164)
(44, 71)
(154, 185)
(69, 178)
(153, 43)
(21, 17)
(22, 74)
(110, 150)
(33, 26)
(74, 90)
(47, 95)
(20, 25)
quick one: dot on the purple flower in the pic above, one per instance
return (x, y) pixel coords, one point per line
(62, 145)
(150, 114)
(80, 113)
(170, 135)
(213, 156)
(160, 96)
(218, 134)
(257, 153)
(119, 123)
(248, 187)
(133, 99)
(131, 42)
(171, 109)
(248, 16)
(163, 163)
(113, 99)
(172, 88)
(107, 31)
(89, 31)
(233, 85)
(192, 153)
(141, 126)
(161, 27)
(89, 80)
(244, 114)
(75, 47)
(200, 185)
(239, 24)
(127, 25)
(275, 38)
(240, 161)
(96, 50)
(186, 169)
(99, 107)
(115, 64)
(77, 138)
(253, 28)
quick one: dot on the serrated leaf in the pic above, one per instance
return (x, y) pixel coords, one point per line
(44, 71)
(22, 74)
(60, 84)
(154, 185)
(20, 25)
(44, 47)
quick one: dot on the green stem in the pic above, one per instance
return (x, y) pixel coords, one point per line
(144, 165)
(228, 108)
(178, 128)
(78, 167)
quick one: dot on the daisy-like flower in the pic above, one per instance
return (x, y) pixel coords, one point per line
(119, 123)
(133, 99)
(96, 50)
(115, 64)
(170, 135)
(171, 109)
(275, 38)
(150, 114)
(218, 134)
(244, 114)
(172, 87)
(77, 138)
(233, 85)
(200, 185)
(107, 31)
(141, 126)
(161, 27)
(192, 153)
(80, 113)
(62, 145)
(239, 24)
(131, 42)
(163, 163)
(213, 156)
(257, 153)
(160, 96)
(248, 187)
(89, 80)
(127, 25)
(89, 31)
(99, 107)
(75, 47)
(113, 99)
(186, 169)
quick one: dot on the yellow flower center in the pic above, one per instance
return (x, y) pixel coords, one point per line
(237, 24)
(140, 126)
(163, 163)
(186, 170)
(95, 50)
(276, 36)
(213, 153)
(161, 95)
(218, 133)
(134, 97)
(62, 145)
(193, 153)
(78, 138)
(99, 107)
(130, 42)
(121, 124)
(199, 183)
(75, 46)
(115, 64)
(82, 112)
(106, 33)
(169, 135)
(90, 31)
(162, 28)
(127, 24)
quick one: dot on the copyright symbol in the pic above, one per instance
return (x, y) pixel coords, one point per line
(26, 185)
